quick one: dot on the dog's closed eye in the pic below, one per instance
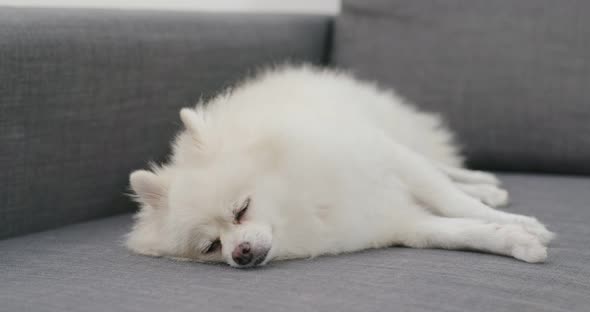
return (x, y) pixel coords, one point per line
(240, 212)
(212, 247)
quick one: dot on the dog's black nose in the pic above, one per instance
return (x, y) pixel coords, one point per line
(242, 254)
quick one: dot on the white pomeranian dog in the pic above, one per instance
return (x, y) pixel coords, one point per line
(301, 162)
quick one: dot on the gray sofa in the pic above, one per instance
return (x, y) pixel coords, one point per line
(88, 95)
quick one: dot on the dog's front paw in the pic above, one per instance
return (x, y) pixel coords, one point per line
(525, 246)
(531, 252)
(533, 226)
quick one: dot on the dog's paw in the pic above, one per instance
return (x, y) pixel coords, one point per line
(490, 195)
(524, 245)
(493, 196)
(482, 177)
(533, 226)
(531, 252)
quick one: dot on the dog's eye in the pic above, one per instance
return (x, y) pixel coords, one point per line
(214, 246)
(240, 213)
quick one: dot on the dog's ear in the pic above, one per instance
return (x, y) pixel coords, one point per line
(193, 122)
(150, 188)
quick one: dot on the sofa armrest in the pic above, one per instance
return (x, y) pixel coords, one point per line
(88, 95)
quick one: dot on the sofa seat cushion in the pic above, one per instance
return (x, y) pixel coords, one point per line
(85, 267)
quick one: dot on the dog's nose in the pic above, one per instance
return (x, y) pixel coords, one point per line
(242, 254)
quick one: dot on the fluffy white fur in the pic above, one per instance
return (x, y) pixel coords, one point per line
(330, 164)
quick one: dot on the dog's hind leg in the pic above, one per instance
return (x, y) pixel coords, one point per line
(441, 195)
(466, 176)
(458, 233)
(490, 195)
(478, 184)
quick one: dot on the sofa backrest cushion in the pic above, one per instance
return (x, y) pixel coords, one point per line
(512, 78)
(86, 96)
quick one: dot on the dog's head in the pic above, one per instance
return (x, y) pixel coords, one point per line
(207, 208)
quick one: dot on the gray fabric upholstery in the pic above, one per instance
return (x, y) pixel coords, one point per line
(512, 77)
(85, 268)
(88, 95)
